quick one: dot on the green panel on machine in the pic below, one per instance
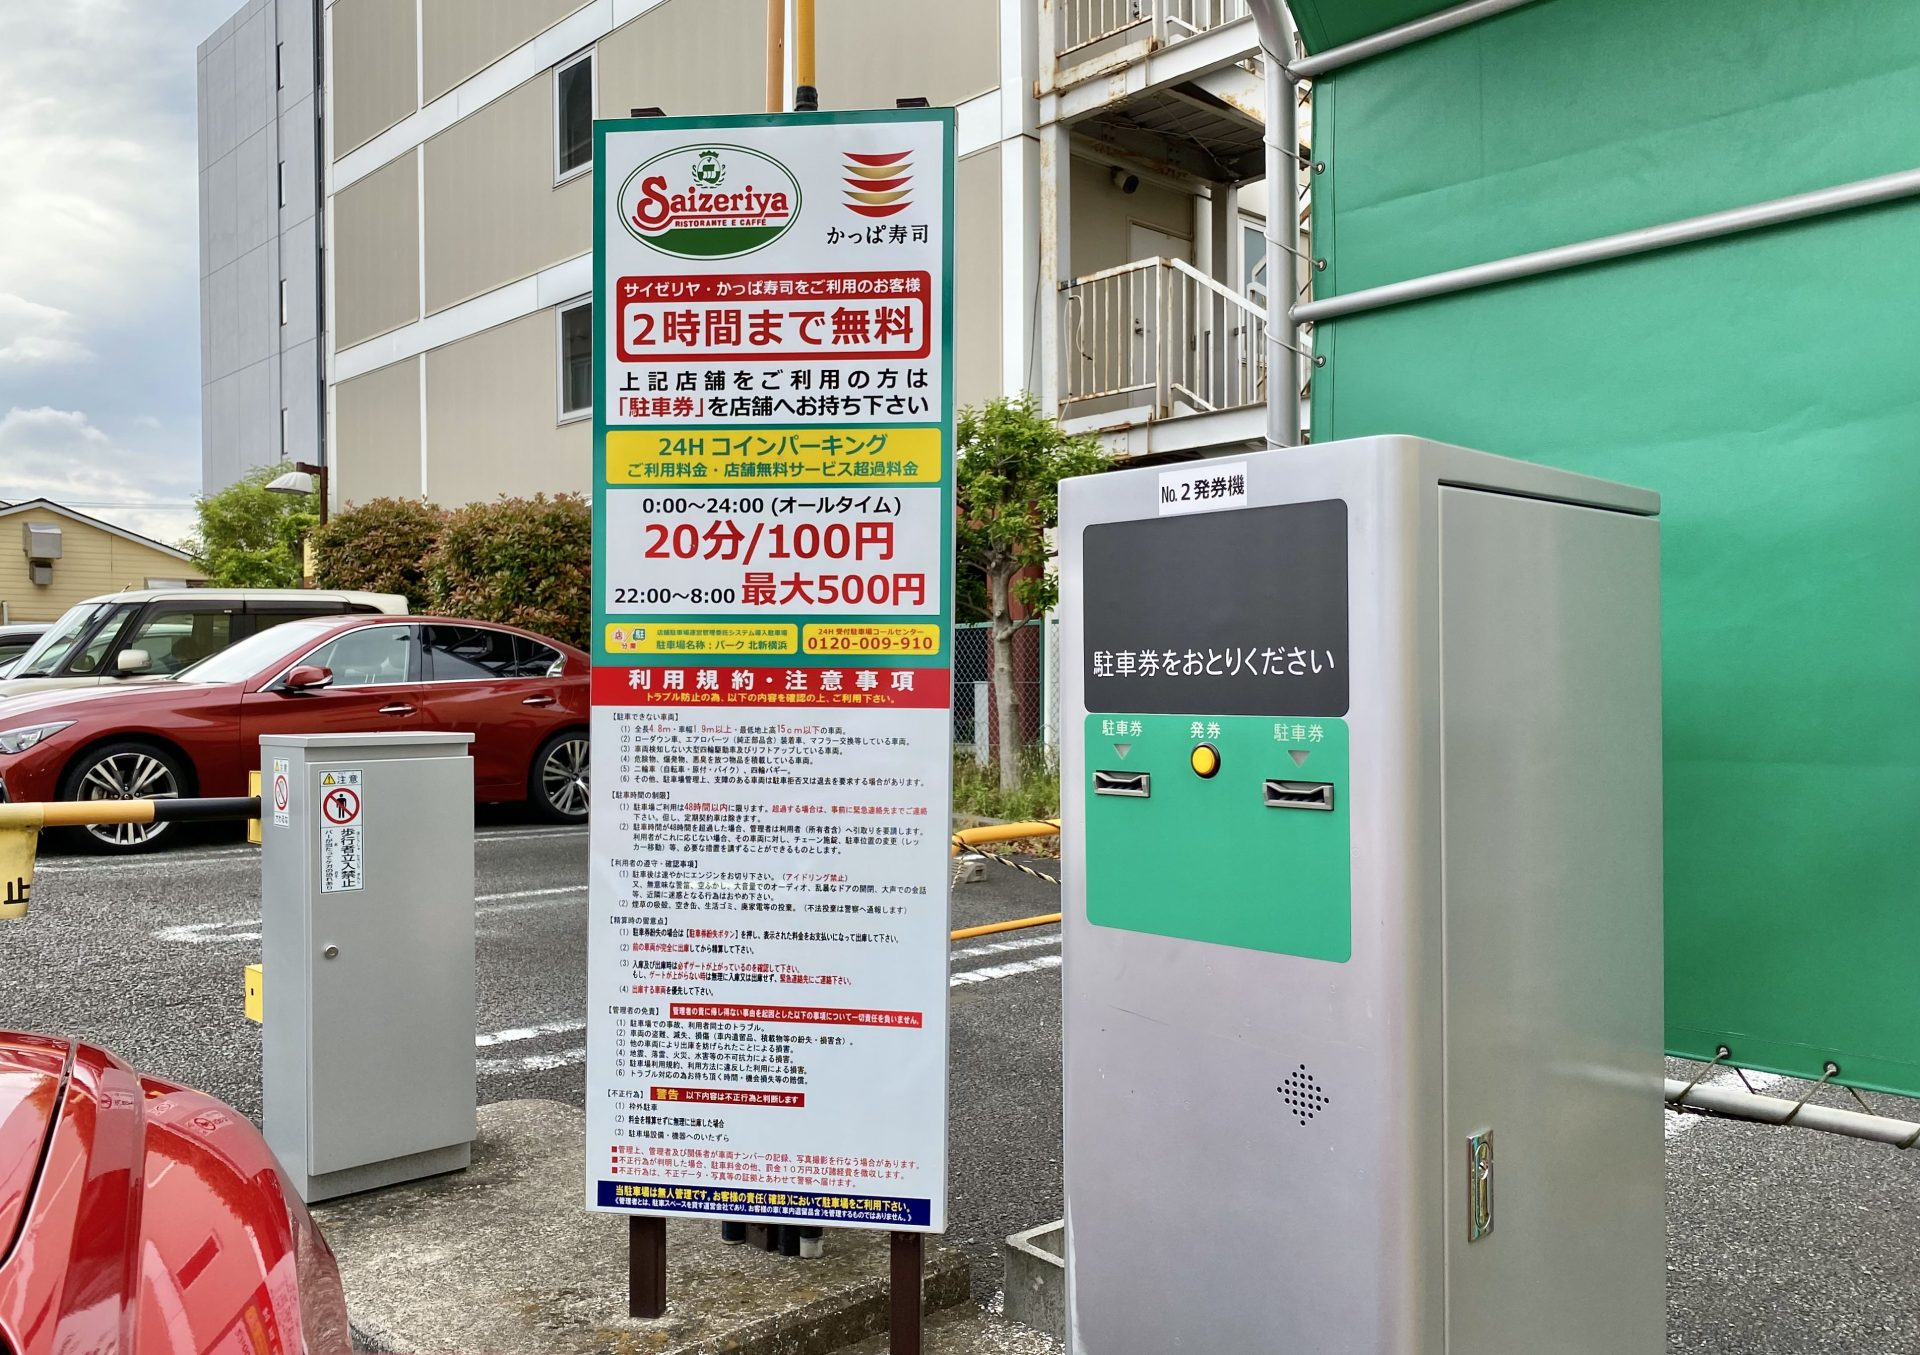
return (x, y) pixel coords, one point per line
(1227, 829)
(1759, 383)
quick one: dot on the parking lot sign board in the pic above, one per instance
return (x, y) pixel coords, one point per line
(773, 545)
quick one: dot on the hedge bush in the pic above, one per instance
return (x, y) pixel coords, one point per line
(382, 546)
(526, 562)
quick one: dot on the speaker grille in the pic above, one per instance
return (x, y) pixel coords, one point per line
(1303, 1094)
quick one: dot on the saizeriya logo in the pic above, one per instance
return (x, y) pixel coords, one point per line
(709, 202)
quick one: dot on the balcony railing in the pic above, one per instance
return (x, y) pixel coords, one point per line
(1159, 334)
(1086, 24)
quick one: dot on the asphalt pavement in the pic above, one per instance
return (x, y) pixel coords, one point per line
(1779, 1240)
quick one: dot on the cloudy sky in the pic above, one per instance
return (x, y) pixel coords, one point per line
(99, 256)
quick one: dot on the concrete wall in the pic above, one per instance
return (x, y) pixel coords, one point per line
(1102, 214)
(375, 74)
(873, 53)
(976, 278)
(92, 561)
(376, 250)
(376, 429)
(461, 37)
(252, 366)
(493, 213)
(492, 417)
(688, 57)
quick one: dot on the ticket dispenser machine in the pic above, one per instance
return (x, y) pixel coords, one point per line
(1362, 986)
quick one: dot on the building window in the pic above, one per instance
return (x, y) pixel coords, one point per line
(1253, 262)
(283, 301)
(573, 117)
(576, 361)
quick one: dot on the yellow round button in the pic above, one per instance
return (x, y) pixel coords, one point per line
(1205, 759)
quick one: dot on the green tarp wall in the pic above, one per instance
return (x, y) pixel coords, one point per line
(1767, 385)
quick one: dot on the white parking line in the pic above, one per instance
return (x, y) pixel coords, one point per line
(222, 855)
(541, 1063)
(485, 905)
(520, 1033)
(1003, 947)
(1679, 1122)
(1004, 971)
(244, 855)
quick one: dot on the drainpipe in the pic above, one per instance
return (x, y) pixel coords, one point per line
(1283, 223)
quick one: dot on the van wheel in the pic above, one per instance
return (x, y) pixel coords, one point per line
(560, 777)
(123, 771)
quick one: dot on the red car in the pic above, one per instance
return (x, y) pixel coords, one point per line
(523, 697)
(139, 1216)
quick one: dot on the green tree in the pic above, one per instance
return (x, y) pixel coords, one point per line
(1011, 461)
(249, 536)
(526, 562)
(381, 546)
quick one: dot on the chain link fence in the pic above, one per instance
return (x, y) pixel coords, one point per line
(1036, 690)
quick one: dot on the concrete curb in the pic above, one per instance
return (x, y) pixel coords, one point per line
(1036, 1278)
(504, 1257)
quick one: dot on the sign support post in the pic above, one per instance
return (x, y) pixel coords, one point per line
(772, 687)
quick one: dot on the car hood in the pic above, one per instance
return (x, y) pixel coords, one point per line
(154, 1218)
(71, 703)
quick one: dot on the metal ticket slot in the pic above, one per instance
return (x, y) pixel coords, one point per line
(1362, 847)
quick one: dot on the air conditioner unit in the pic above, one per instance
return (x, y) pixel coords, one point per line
(42, 540)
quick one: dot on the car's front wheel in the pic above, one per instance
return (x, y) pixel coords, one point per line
(123, 771)
(560, 777)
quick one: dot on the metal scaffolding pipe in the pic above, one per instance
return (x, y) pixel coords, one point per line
(1391, 39)
(1734, 1104)
(1799, 207)
(1282, 137)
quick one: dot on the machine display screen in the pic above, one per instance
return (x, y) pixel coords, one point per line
(1240, 612)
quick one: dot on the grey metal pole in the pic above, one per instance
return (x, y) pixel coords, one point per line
(1391, 39)
(1823, 202)
(1742, 1105)
(1283, 244)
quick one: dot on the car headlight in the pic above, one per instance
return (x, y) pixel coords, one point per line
(23, 738)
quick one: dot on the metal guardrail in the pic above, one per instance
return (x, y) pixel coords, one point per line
(20, 826)
(1082, 24)
(1160, 333)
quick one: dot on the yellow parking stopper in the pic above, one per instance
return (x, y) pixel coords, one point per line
(254, 835)
(256, 999)
(17, 848)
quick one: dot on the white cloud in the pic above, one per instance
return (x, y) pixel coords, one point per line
(59, 454)
(33, 335)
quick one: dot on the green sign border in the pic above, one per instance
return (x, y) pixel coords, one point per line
(604, 127)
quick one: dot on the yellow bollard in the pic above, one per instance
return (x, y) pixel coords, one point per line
(17, 848)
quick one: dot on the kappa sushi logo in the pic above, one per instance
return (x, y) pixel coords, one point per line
(709, 202)
(877, 184)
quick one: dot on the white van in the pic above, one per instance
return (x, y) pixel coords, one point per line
(154, 633)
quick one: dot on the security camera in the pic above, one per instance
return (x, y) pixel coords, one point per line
(1125, 182)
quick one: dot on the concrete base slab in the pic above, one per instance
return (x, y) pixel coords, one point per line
(969, 1331)
(503, 1257)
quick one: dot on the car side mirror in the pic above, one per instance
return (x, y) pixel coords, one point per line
(307, 678)
(133, 661)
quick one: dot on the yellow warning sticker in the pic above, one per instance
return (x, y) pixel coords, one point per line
(739, 639)
(877, 640)
(739, 458)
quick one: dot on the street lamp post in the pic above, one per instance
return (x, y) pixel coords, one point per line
(304, 478)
